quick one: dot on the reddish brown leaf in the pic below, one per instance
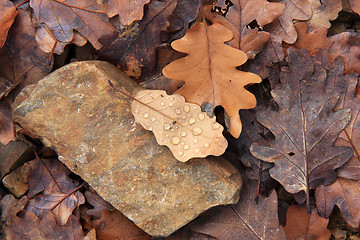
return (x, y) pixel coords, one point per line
(355, 5)
(210, 74)
(21, 60)
(128, 10)
(305, 127)
(282, 29)
(140, 39)
(323, 12)
(7, 17)
(31, 227)
(344, 193)
(114, 225)
(11, 206)
(98, 203)
(7, 126)
(245, 220)
(300, 225)
(63, 17)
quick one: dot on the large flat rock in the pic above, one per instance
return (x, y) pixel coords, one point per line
(75, 111)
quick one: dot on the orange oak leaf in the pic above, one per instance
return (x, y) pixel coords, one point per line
(323, 12)
(301, 225)
(210, 74)
(305, 127)
(282, 29)
(7, 16)
(128, 10)
(63, 17)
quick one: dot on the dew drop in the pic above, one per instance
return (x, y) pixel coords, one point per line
(216, 126)
(197, 131)
(180, 153)
(136, 110)
(195, 140)
(191, 121)
(201, 116)
(186, 147)
(206, 145)
(183, 134)
(162, 103)
(183, 116)
(177, 111)
(186, 108)
(146, 115)
(196, 150)
(152, 119)
(150, 128)
(175, 140)
(166, 126)
(171, 104)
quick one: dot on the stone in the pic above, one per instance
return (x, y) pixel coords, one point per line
(75, 111)
(16, 182)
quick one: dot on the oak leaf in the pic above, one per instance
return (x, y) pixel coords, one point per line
(188, 132)
(128, 10)
(282, 29)
(210, 74)
(7, 17)
(245, 220)
(301, 225)
(62, 18)
(305, 127)
(7, 126)
(323, 12)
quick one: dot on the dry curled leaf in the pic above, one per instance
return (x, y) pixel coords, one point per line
(63, 17)
(188, 132)
(305, 127)
(7, 16)
(128, 10)
(301, 225)
(323, 12)
(210, 74)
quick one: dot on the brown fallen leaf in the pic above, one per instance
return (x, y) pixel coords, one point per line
(182, 127)
(128, 10)
(98, 203)
(10, 206)
(21, 60)
(282, 29)
(305, 127)
(50, 188)
(114, 225)
(63, 17)
(301, 225)
(323, 12)
(138, 41)
(355, 6)
(45, 228)
(7, 126)
(245, 220)
(7, 17)
(210, 74)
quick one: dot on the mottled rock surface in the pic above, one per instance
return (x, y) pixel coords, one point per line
(75, 111)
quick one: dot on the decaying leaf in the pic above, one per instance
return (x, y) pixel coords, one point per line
(301, 225)
(245, 220)
(58, 192)
(140, 39)
(323, 12)
(188, 132)
(45, 228)
(355, 6)
(114, 225)
(128, 10)
(98, 203)
(305, 127)
(10, 206)
(21, 60)
(7, 16)
(7, 126)
(63, 17)
(210, 74)
(282, 29)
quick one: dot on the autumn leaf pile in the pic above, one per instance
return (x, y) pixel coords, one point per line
(298, 150)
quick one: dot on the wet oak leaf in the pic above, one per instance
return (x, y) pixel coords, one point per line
(183, 127)
(7, 17)
(210, 74)
(128, 10)
(137, 43)
(64, 17)
(282, 29)
(245, 220)
(45, 228)
(301, 225)
(114, 225)
(345, 193)
(323, 12)
(305, 127)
